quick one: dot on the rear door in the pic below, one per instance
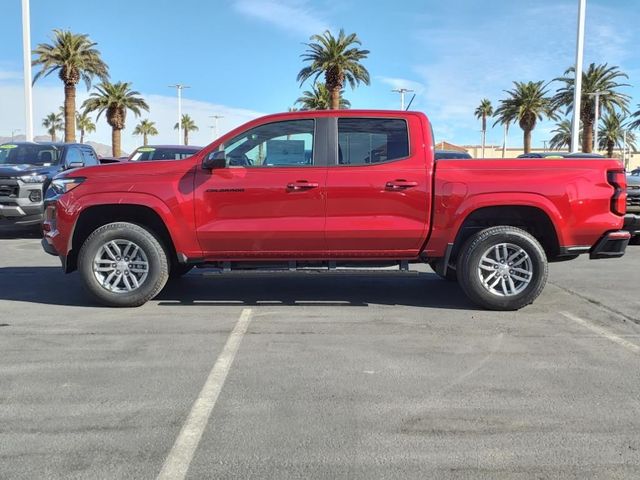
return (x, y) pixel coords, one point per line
(270, 200)
(378, 190)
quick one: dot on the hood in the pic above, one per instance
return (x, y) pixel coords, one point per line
(26, 169)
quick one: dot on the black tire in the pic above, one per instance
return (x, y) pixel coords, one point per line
(635, 240)
(178, 270)
(469, 272)
(158, 266)
(450, 276)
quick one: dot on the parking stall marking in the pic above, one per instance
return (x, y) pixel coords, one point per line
(177, 463)
(603, 332)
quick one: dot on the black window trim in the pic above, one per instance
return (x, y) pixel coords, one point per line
(320, 129)
(335, 141)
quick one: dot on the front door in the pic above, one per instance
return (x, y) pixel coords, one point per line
(270, 200)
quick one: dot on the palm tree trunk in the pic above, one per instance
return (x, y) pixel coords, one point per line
(69, 113)
(144, 139)
(116, 138)
(186, 136)
(52, 132)
(81, 136)
(587, 136)
(484, 132)
(527, 141)
(335, 98)
(610, 146)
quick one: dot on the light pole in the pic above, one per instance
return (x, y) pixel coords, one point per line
(577, 83)
(179, 87)
(597, 95)
(26, 53)
(544, 145)
(215, 124)
(13, 133)
(402, 91)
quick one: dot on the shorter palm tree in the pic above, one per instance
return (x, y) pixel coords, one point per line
(84, 124)
(319, 98)
(188, 125)
(611, 133)
(145, 128)
(562, 136)
(484, 110)
(115, 99)
(526, 104)
(53, 123)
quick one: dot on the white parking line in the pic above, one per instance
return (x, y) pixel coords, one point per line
(603, 332)
(177, 463)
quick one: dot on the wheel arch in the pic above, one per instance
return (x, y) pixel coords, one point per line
(93, 217)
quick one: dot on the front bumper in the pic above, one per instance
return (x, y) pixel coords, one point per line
(611, 245)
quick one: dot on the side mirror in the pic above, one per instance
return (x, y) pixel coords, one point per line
(215, 160)
(75, 165)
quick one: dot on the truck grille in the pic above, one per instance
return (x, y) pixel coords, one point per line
(10, 191)
(633, 201)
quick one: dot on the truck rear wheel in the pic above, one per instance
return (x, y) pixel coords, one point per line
(502, 268)
(123, 265)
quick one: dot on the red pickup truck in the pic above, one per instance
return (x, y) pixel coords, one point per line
(324, 189)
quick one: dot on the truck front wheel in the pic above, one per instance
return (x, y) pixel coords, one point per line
(502, 268)
(123, 265)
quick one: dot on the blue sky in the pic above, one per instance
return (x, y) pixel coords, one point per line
(241, 57)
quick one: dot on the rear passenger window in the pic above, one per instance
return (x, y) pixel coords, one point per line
(362, 141)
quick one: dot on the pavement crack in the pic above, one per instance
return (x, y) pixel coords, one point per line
(597, 303)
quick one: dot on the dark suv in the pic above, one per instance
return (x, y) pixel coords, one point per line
(26, 170)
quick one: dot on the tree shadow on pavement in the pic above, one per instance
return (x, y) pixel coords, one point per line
(48, 285)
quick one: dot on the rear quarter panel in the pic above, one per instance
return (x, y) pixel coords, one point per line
(574, 193)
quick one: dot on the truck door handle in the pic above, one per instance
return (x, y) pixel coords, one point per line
(400, 185)
(302, 185)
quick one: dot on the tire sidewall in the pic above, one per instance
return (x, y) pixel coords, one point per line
(476, 247)
(158, 268)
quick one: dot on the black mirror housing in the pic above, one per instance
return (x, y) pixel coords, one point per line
(75, 165)
(215, 160)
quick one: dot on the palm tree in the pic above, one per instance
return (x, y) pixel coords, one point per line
(562, 136)
(338, 59)
(53, 123)
(597, 78)
(319, 98)
(84, 124)
(74, 57)
(527, 103)
(188, 125)
(611, 133)
(484, 110)
(115, 99)
(145, 128)
(635, 123)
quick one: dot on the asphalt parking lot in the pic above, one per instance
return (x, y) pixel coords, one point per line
(318, 376)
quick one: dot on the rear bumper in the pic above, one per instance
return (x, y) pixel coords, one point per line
(611, 245)
(632, 223)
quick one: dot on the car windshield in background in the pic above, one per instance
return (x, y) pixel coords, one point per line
(144, 154)
(18, 154)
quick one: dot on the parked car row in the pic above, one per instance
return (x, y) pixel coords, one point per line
(27, 168)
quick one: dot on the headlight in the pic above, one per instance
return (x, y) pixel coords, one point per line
(34, 178)
(65, 185)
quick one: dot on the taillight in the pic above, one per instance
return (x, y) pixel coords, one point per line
(618, 181)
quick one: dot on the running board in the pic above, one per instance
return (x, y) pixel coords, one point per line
(306, 266)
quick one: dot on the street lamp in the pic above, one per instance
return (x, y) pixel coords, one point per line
(26, 53)
(179, 87)
(402, 91)
(597, 95)
(215, 124)
(577, 83)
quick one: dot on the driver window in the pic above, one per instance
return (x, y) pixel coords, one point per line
(279, 144)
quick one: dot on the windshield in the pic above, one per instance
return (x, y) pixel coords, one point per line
(16, 154)
(144, 154)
